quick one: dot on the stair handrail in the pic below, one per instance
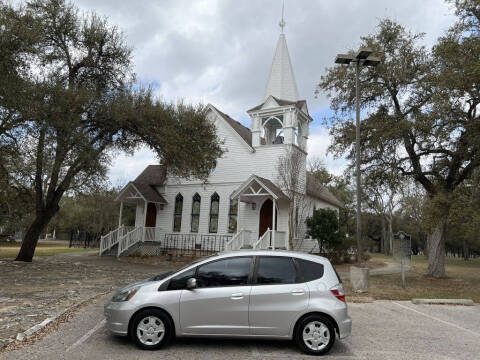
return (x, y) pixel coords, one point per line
(109, 240)
(261, 239)
(129, 239)
(237, 238)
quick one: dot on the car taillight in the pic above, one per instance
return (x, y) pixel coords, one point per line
(338, 292)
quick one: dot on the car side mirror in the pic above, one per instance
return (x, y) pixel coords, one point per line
(191, 283)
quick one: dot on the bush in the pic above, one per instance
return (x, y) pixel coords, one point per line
(333, 244)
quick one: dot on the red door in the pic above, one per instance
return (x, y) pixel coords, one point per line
(151, 218)
(266, 217)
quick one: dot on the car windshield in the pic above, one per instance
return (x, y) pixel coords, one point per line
(161, 276)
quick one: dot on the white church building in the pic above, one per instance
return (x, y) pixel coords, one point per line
(244, 203)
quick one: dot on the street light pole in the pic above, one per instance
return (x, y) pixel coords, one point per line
(357, 161)
(364, 58)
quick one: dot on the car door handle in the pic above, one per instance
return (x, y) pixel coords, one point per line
(237, 296)
(298, 292)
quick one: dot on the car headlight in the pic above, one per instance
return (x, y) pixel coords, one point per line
(125, 295)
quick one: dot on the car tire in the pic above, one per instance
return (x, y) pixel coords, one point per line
(315, 334)
(151, 329)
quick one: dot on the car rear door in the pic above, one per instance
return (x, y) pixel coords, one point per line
(219, 305)
(277, 296)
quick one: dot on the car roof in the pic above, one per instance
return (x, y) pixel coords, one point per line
(254, 252)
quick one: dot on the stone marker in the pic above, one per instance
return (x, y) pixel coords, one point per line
(359, 278)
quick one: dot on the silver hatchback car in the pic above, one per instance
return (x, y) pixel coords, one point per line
(250, 293)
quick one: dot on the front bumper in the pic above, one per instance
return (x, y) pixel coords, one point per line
(118, 315)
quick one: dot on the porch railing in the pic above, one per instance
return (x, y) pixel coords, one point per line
(129, 239)
(264, 241)
(109, 240)
(269, 241)
(241, 239)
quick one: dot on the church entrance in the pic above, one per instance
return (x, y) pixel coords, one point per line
(151, 218)
(266, 217)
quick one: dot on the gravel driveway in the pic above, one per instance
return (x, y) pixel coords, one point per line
(33, 292)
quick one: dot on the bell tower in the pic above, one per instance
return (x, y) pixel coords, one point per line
(281, 118)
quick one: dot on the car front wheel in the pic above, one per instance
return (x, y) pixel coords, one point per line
(151, 329)
(315, 335)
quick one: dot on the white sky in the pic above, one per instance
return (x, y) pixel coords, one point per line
(219, 51)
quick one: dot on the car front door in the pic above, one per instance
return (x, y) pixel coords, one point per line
(219, 304)
(277, 297)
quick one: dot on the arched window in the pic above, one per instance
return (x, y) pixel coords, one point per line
(214, 205)
(232, 216)
(195, 213)
(177, 213)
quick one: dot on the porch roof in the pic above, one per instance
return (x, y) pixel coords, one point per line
(136, 191)
(257, 186)
(143, 187)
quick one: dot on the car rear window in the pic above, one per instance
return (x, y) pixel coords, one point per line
(310, 270)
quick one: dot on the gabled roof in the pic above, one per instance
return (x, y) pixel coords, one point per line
(243, 131)
(281, 81)
(144, 184)
(240, 129)
(318, 191)
(247, 188)
(299, 103)
(152, 175)
(150, 194)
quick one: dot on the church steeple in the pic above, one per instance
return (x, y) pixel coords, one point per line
(282, 118)
(281, 81)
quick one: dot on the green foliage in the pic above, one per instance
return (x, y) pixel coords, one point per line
(423, 120)
(70, 104)
(323, 226)
(341, 187)
(95, 212)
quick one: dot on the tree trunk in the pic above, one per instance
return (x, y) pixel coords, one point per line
(389, 243)
(383, 243)
(33, 232)
(291, 225)
(436, 250)
(466, 255)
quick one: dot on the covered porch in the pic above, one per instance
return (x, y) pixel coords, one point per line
(148, 203)
(262, 220)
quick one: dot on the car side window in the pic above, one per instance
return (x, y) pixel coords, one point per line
(276, 270)
(179, 281)
(310, 270)
(225, 272)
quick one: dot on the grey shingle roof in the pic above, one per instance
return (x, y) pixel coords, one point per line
(272, 187)
(317, 190)
(151, 176)
(243, 131)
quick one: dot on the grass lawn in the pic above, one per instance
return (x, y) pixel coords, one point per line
(462, 281)
(44, 248)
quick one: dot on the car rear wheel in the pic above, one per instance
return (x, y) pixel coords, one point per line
(315, 335)
(151, 329)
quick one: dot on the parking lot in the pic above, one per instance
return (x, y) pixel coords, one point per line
(382, 330)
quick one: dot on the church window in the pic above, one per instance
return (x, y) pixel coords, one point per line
(214, 205)
(177, 213)
(195, 213)
(232, 216)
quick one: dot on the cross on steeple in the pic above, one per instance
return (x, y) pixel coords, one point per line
(282, 22)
